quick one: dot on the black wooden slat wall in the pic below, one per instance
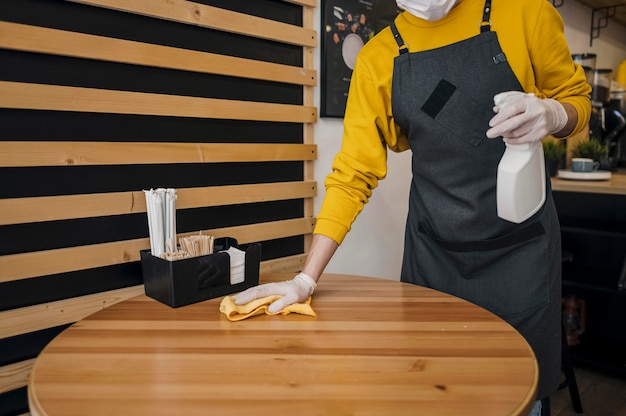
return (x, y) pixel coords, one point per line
(23, 301)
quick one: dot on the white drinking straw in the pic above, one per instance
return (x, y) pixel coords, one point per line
(159, 222)
(170, 219)
(150, 213)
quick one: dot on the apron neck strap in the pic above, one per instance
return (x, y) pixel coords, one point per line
(485, 24)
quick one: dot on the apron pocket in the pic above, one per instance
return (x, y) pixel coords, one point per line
(508, 276)
(458, 113)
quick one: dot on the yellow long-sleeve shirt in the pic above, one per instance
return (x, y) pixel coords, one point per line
(530, 34)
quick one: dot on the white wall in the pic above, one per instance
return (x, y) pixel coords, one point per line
(610, 47)
(374, 245)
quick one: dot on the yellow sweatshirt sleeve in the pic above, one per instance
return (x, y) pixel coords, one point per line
(368, 131)
(556, 76)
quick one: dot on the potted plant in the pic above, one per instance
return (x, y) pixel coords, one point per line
(553, 150)
(592, 149)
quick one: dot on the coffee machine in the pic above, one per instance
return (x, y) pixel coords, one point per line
(607, 122)
(617, 138)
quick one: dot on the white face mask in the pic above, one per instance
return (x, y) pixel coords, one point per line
(430, 10)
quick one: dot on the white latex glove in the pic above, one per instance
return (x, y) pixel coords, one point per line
(292, 291)
(524, 118)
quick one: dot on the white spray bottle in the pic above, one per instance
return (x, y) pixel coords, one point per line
(521, 181)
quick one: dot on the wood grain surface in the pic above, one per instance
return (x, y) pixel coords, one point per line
(377, 347)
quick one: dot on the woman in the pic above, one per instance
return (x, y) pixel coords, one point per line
(427, 83)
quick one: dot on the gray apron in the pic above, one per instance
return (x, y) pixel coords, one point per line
(454, 241)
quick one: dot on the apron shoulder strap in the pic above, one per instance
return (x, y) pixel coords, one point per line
(485, 23)
(402, 47)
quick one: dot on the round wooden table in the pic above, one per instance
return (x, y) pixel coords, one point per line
(377, 347)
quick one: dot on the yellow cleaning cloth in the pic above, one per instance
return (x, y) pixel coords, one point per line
(259, 306)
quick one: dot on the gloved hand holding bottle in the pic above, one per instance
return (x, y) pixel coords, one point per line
(296, 290)
(524, 118)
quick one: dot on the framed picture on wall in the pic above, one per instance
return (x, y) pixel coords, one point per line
(346, 26)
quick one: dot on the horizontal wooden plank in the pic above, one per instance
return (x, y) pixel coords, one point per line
(53, 208)
(213, 18)
(19, 95)
(21, 154)
(20, 37)
(41, 263)
(15, 376)
(48, 315)
(290, 264)
(307, 3)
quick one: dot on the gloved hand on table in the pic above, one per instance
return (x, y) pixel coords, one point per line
(296, 290)
(524, 118)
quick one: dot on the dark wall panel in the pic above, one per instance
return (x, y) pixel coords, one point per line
(14, 402)
(21, 238)
(36, 125)
(27, 346)
(36, 290)
(68, 180)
